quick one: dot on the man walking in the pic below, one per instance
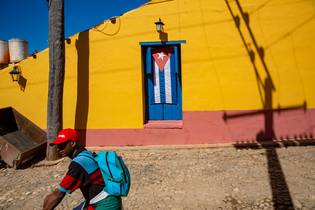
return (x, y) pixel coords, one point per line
(83, 173)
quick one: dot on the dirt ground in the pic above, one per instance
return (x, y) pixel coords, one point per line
(186, 178)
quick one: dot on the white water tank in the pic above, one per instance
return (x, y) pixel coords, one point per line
(18, 49)
(4, 52)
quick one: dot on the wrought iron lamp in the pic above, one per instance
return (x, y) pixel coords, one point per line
(15, 74)
(159, 25)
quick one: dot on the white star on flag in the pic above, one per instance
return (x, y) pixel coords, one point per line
(161, 55)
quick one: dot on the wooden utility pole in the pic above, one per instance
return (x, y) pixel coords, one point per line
(56, 73)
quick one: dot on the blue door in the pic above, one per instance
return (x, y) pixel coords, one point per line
(163, 83)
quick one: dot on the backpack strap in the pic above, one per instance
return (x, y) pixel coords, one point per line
(84, 159)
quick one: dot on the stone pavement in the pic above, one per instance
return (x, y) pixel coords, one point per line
(197, 177)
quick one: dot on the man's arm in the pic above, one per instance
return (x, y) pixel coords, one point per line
(53, 199)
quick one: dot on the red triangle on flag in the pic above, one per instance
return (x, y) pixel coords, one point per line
(161, 56)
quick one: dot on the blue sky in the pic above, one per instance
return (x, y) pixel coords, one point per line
(28, 19)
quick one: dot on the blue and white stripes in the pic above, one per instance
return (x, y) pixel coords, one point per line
(164, 83)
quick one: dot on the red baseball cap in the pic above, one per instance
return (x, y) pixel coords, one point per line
(65, 135)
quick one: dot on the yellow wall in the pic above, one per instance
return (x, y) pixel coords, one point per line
(217, 71)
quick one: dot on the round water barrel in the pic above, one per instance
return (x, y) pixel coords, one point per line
(18, 50)
(4, 52)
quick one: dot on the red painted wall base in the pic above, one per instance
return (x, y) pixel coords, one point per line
(209, 127)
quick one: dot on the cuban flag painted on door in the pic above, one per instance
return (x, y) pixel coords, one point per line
(163, 85)
(164, 76)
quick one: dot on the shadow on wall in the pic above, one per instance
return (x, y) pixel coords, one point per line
(110, 27)
(280, 192)
(266, 86)
(163, 36)
(22, 83)
(82, 105)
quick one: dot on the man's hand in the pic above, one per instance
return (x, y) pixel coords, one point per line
(53, 199)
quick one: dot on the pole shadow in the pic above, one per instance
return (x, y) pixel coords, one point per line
(281, 196)
(82, 104)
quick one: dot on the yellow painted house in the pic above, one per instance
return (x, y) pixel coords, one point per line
(221, 71)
